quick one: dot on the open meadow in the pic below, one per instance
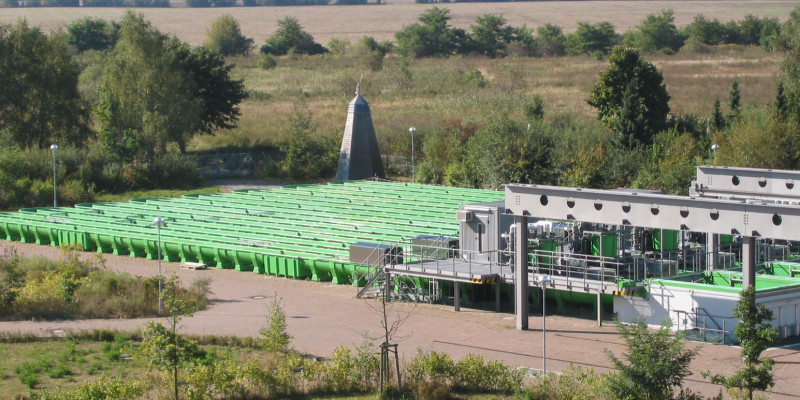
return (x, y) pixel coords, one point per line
(428, 92)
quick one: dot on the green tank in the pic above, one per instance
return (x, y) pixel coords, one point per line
(604, 245)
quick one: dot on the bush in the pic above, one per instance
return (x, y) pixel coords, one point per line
(551, 40)
(338, 46)
(474, 77)
(290, 37)
(81, 289)
(694, 45)
(92, 34)
(656, 33)
(711, 32)
(592, 39)
(225, 37)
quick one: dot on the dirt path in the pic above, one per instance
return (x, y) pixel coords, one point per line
(322, 316)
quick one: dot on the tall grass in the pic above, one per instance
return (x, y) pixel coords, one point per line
(425, 92)
(37, 288)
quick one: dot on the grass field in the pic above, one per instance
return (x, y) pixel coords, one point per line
(427, 92)
(435, 91)
(381, 21)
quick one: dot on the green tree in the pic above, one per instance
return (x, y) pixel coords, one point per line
(164, 347)
(671, 162)
(145, 100)
(490, 35)
(755, 335)
(631, 98)
(39, 101)
(594, 39)
(779, 104)
(656, 33)
(290, 37)
(225, 37)
(218, 94)
(92, 34)
(790, 66)
(735, 100)
(654, 365)
(717, 119)
(433, 36)
(759, 139)
(754, 30)
(712, 32)
(520, 154)
(275, 339)
(552, 40)
(156, 91)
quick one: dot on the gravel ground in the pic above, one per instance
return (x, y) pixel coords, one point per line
(322, 316)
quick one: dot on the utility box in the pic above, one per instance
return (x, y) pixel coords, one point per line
(434, 247)
(377, 255)
(483, 230)
(665, 239)
(604, 244)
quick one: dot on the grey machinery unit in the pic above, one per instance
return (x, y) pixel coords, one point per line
(378, 255)
(434, 247)
(482, 226)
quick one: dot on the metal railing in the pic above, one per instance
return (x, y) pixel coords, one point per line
(701, 326)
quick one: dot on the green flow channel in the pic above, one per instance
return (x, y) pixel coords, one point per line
(297, 231)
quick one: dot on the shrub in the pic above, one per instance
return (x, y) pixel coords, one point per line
(225, 37)
(656, 33)
(290, 37)
(551, 40)
(92, 34)
(695, 45)
(588, 38)
(711, 32)
(338, 46)
(474, 77)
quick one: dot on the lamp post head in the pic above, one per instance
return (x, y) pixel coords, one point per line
(544, 278)
(714, 147)
(158, 221)
(412, 130)
(53, 147)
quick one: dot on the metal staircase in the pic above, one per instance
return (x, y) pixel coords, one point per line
(375, 284)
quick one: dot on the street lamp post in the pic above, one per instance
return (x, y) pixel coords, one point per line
(159, 221)
(54, 148)
(412, 131)
(544, 279)
(714, 148)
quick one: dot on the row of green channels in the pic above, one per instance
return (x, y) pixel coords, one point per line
(298, 231)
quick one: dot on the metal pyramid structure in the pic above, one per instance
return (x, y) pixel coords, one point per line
(359, 157)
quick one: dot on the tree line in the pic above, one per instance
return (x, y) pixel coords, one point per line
(645, 144)
(149, 93)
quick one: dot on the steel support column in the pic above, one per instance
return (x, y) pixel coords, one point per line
(599, 309)
(497, 297)
(712, 251)
(521, 272)
(748, 261)
(456, 296)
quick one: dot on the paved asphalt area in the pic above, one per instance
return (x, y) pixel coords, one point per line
(322, 316)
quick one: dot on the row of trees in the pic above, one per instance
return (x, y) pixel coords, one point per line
(150, 94)
(647, 146)
(433, 36)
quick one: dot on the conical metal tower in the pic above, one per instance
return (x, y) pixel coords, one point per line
(359, 157)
